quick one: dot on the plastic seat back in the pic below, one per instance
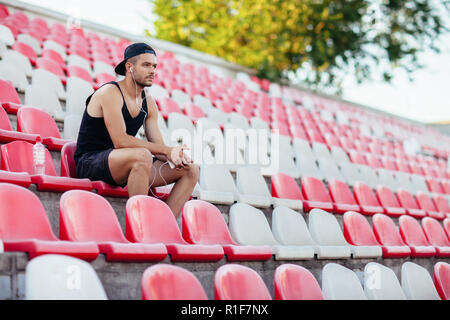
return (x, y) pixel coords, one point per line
(168, 282)
(55, 277)
(289, 227)
(149, 220)
(357, 230)
(386, 231)
(381, 283)
(5, 124)
(364, 195)
(340, 192)
(325, 229)
(8, 93)
(442, 279)
(417, 283)
(425, 202)
(22, 215)
(36, 121)
(86, 216)
(441, 204)
(204, 224)
(68, 165)
(340, 283)
(294, 282)
(236, 282)
(314, 190)
(17, 156)
(285, 187)
(407, 200)
(386, 197)
(434, 233)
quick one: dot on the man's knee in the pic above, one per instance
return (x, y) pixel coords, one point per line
(142, 160)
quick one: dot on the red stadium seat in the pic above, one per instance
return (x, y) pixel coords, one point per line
(25, 227)
(434, 186)
(366, 199)
(428, 205)
(79, 72)
(442, 205)
(436, 236)
(8, 135)
(285, 187)
(103, 78)
(442, 279)
(203, 224)
(167, 106)
(54, 56)
(168, 282)
(9, 98)
(446, 224)
(342, 197)
(294, 282)
(389, 237)
(86, 216)
(357, 230)
(413, 236)
(408, 202)
(36, 121)
(4, 12)
(389, 201)
(316, 195)
(236, 282)
(18, 157)
(26, 50)
(357, 157)
(69, 169)
(53, 67)
(193, 112)
(149, 220)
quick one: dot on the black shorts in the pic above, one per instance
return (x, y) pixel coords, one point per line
(95, 167)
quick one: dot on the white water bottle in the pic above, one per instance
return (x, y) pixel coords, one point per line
(39, 157)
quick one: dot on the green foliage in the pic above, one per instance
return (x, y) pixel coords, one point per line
(323, 38)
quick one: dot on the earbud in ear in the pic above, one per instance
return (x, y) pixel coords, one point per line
(131, 70)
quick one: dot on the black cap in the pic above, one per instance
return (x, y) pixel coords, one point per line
(132, 51)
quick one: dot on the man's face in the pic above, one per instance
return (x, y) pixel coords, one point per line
(145, 69)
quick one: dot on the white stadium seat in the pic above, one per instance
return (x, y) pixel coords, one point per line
(252, 188)
(417, 283)
(381, 283)
(341, 283)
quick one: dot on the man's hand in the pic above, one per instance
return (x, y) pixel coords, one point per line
(178, 157)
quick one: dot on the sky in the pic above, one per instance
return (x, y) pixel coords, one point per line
(426, 99)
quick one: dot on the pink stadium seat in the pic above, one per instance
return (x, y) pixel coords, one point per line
(366, 199)
(168, 282)
(446, 186)
(4, 12)
(53, 67)
(54, 56)
(18, 157)
(9, 98)
(167, 106)
(357, 230)
(442, 205)
(285, 187)
(434, 186)
(442, 279)
(103, 78)
(25, 227)
(86, 216)
(7, 134)
(374, 161)
(69, 169)
(236, 282)
(413, 236)
(342, 197)
(149, 220)
(408, 202)
(316, 195)
(203, 224)
(194, 112)
(389, 237)
(79, 72)
(294, 282)
(38, 122)
(428, 205)
(357, 157)
(446, 224)
(436, 236)
(389, 201)
(26, 50)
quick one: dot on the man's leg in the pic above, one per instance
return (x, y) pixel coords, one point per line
(131, 166)
(185, 181)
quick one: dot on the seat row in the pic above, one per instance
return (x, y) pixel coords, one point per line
(89, 226)
(54, 277)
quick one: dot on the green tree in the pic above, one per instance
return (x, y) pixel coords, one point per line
(322, 38)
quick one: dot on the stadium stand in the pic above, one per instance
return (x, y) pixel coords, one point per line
(383, 203)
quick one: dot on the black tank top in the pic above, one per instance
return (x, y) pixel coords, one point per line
(94, 135)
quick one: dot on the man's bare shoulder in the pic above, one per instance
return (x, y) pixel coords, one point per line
(108, 92)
